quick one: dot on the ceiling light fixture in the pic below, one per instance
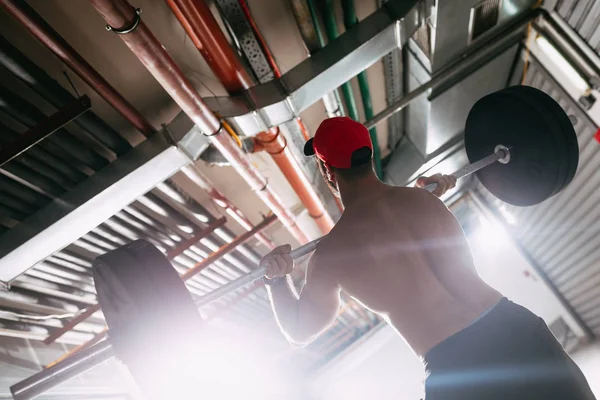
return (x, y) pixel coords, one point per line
(562, 63)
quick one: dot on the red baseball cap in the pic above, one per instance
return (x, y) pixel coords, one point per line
(336, 140)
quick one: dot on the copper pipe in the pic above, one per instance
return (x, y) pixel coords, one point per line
(39, 28)
(68, 326)
(226, 248)
(197, 18)
(48, 36)
(119, 15)
(72, 323)
(186, 244)
(277, 74)
(215, 49)
(223, 250)
(220, 200)
(303, 129)
(98, 337)
(275, 144)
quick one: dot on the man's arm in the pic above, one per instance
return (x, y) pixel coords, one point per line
(301, 317)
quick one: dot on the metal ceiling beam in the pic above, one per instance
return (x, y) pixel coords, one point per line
(92, 202)
(281, 100)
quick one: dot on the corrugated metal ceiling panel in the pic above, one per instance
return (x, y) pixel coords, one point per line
(584, 17)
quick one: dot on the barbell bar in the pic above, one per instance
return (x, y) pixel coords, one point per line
(101, 352)
(501, 154)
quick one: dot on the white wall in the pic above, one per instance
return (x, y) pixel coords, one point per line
(501, 265)
(588, 359)
(383, 367)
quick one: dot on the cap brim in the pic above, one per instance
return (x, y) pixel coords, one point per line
(309, 149)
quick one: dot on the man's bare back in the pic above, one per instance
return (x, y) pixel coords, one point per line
(401, 253)
(411, 264)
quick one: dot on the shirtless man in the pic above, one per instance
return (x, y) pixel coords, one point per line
(402, 254)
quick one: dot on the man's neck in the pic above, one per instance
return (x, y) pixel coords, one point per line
(359, 189)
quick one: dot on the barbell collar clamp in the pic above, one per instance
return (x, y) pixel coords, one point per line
(506, 151)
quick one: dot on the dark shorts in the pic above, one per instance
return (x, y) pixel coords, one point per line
(509, 353)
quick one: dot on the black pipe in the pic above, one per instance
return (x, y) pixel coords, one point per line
(39, 183)
(43, 153)
(7, 222)
(44, 129)
(28, 115)
(11, 213)
(8, 200)
(43, 84)
(41, 169)
(22, 192)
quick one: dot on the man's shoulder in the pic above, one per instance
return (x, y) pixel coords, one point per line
(417, 196)
(329, 247)
(325, 247)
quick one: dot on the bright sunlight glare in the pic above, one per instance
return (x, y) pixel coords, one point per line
(508, 216)
(217, 365)
(490, 236)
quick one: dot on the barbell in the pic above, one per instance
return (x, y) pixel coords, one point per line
(519, 141)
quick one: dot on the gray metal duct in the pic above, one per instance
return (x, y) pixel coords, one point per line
(434, 121)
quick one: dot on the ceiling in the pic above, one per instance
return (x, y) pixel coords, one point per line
(63, 284)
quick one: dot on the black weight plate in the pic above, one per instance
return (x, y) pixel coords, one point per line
(153, 322)
(566, 126)
(171, 289)
(532, 174)
(539, 103)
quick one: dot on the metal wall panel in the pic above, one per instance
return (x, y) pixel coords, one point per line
(584, 17)
(562, 233)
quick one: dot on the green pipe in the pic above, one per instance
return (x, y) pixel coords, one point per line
(363, 83)
(314, 16)
(365, 93)
(332, 33)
